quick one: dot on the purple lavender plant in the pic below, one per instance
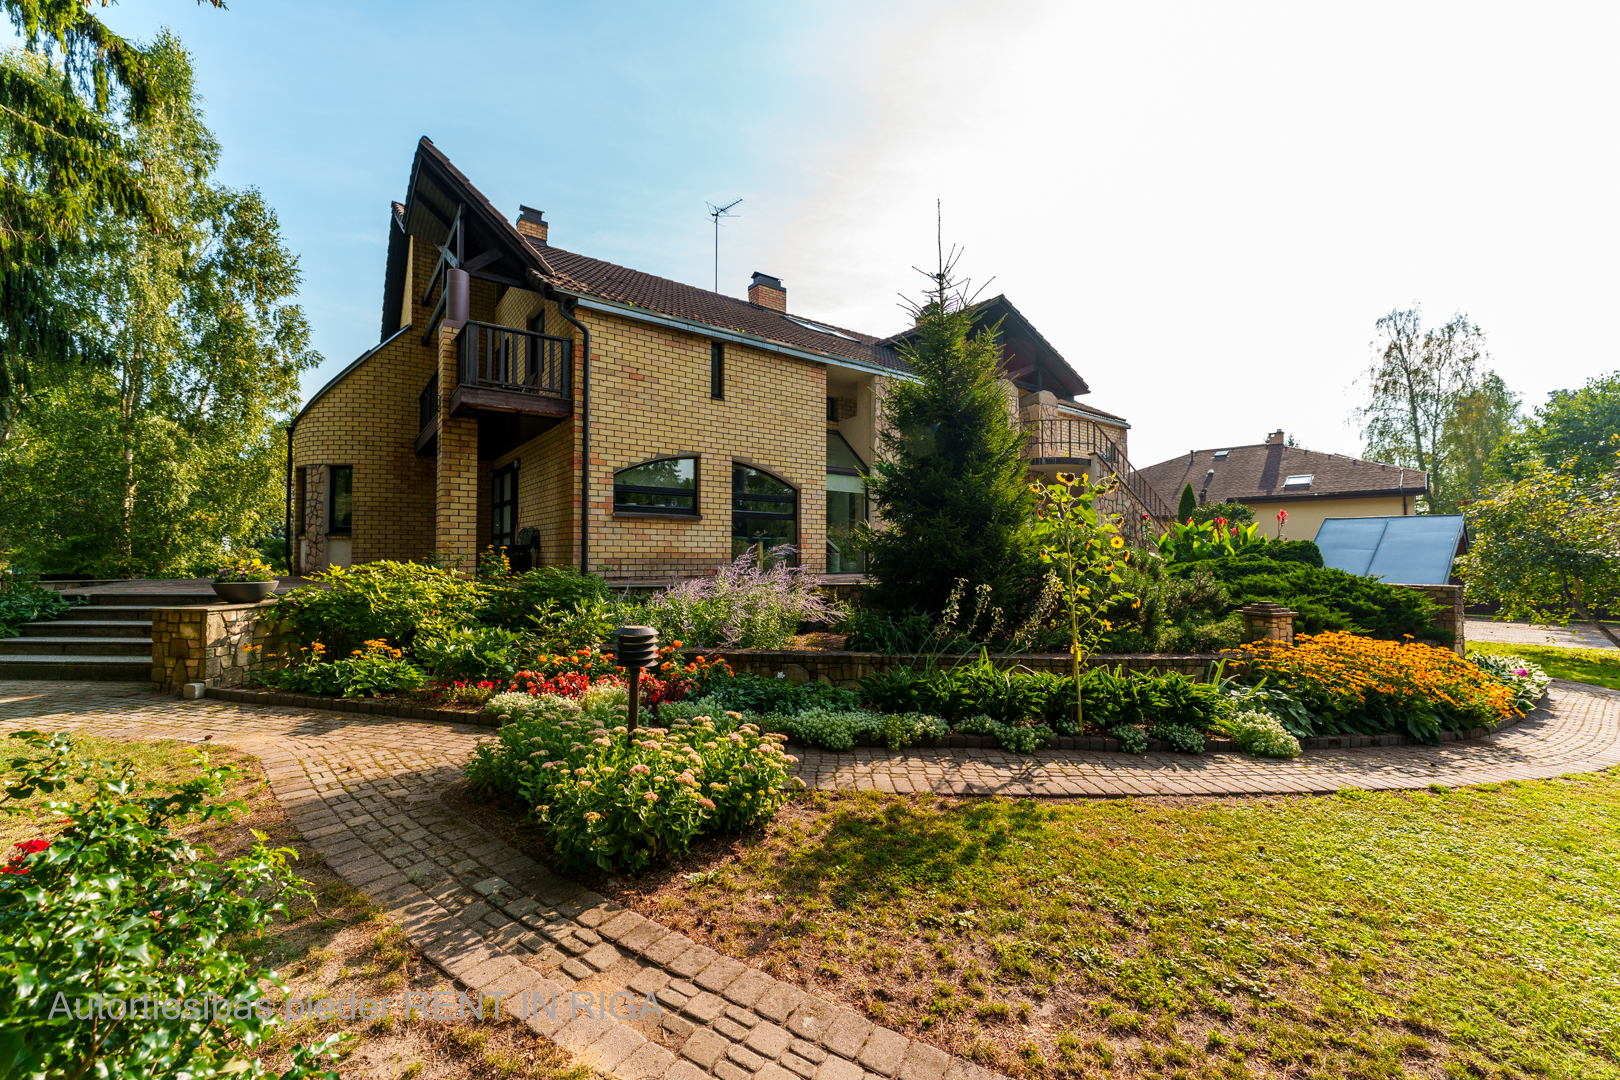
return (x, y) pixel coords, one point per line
(749, 603)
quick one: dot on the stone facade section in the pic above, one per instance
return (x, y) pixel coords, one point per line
(221, 644)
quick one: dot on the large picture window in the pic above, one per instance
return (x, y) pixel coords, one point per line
(764, 511)
(341, 499)
(503, 506)
(846, 506)
(662, 487)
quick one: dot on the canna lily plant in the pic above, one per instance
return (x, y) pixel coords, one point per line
(1085, 552)
(1190, 542)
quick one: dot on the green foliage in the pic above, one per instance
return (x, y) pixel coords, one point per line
(1018, 738)
(1572, 432)
(1132, 740)
(1301, 551)
(23, 601)
(378, 668)
(838, 729)
(378, 600)
(1183, 738)
(1157, 611)
(117, 905)
(176, 450)
(1260, 733)
(1546, 547)
(752, 694)
(1528, 680)
(1188, 505)
(1326, 599)
(949, 483)
(616, 801)
(1184, 542)
(1234, 513)
(564, 608)
(472, 652)
(903, 633)
(244, 569)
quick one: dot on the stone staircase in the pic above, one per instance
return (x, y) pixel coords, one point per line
(108, 639)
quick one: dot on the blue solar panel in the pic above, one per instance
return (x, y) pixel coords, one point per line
(1407, 550)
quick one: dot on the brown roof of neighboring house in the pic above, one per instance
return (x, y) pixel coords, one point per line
(1259, 473)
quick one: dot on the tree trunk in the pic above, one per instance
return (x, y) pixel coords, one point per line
(1574, 598)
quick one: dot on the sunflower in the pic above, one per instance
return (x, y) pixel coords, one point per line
(1116, 542)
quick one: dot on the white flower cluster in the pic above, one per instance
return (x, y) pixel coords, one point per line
(1260, 733)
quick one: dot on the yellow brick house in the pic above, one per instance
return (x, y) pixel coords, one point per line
(570, 410)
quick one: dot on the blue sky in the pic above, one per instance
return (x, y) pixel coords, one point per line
(1204, 207)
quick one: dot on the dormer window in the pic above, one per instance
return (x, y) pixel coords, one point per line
(1301, 480)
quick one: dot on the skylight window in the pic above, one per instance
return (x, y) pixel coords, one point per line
(1299, 481)
(818, 328)
(1221, 454)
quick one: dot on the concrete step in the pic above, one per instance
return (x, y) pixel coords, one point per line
(77, 646)
(102, 628)
(78, 668)
(106, 613)
(149, 599)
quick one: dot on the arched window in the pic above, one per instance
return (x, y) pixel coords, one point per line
(663, 487)
(764, 511)
(846, 506)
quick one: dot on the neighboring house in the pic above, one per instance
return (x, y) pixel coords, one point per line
(573, 411)
(1311, 486)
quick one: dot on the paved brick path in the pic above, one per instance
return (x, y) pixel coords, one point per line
(365, 792)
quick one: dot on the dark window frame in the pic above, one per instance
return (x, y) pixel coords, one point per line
(332, 526)
(717, 371)
(765, 515)
(637, 510)
(495, 507)
(301, 499)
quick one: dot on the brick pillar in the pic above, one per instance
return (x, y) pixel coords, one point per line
(1266, 621)
(455, 519)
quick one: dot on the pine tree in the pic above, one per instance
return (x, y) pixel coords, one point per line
(950, 486)
(1188, 504)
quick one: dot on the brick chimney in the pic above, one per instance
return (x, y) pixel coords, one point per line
(532, 222)
(767, 292)
(1275, 438)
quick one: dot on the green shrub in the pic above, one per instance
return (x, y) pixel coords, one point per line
(897, 634)
(376, 601)
(1132, 740)
(472, 652)
(563, 608)
(1529, 681)
(1326, 599)
(1182, 737)
(117, 905)
(1300, 551)
(496, 770)
(614, 801)
(1259, 733)
(25, 602)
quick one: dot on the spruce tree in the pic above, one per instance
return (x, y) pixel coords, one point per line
(949, 487)
(1188, 504)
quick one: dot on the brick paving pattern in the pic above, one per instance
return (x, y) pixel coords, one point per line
(365, 791)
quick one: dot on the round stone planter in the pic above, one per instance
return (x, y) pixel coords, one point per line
(244, 592)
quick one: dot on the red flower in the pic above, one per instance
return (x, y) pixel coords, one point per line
(27, 848)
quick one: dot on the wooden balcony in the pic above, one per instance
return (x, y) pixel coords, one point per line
(500, 369)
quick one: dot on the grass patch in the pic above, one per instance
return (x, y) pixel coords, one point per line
(1600, 667)
(1469, 932)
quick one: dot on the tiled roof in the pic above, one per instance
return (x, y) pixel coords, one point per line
(1258, 472)
(621, 284)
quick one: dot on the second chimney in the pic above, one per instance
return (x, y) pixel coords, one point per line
(767, 292)
(1275, 438)
(532, 222)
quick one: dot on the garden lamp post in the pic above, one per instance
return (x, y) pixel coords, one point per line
(638, 648)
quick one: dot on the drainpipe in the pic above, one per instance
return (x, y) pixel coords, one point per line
(565, 306)
(287, 529)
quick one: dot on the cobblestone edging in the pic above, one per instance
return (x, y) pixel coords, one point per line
(957, 742)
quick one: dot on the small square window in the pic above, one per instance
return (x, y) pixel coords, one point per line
(1220, 455)
(1298, 481)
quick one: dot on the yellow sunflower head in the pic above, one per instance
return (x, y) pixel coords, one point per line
(1116, 542)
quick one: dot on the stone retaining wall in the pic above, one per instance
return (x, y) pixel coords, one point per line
(849, 668)
(208, 644)
(1449, 599)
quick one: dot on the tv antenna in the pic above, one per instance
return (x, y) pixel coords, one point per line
(718, 212)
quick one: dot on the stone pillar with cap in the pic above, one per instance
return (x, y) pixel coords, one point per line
(1265, 621)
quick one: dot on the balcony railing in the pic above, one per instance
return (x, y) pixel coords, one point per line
(1073, 439)
(427, 404)
(519, 361)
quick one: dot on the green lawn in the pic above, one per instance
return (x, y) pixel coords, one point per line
(1598, 666)
(1439, 933)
